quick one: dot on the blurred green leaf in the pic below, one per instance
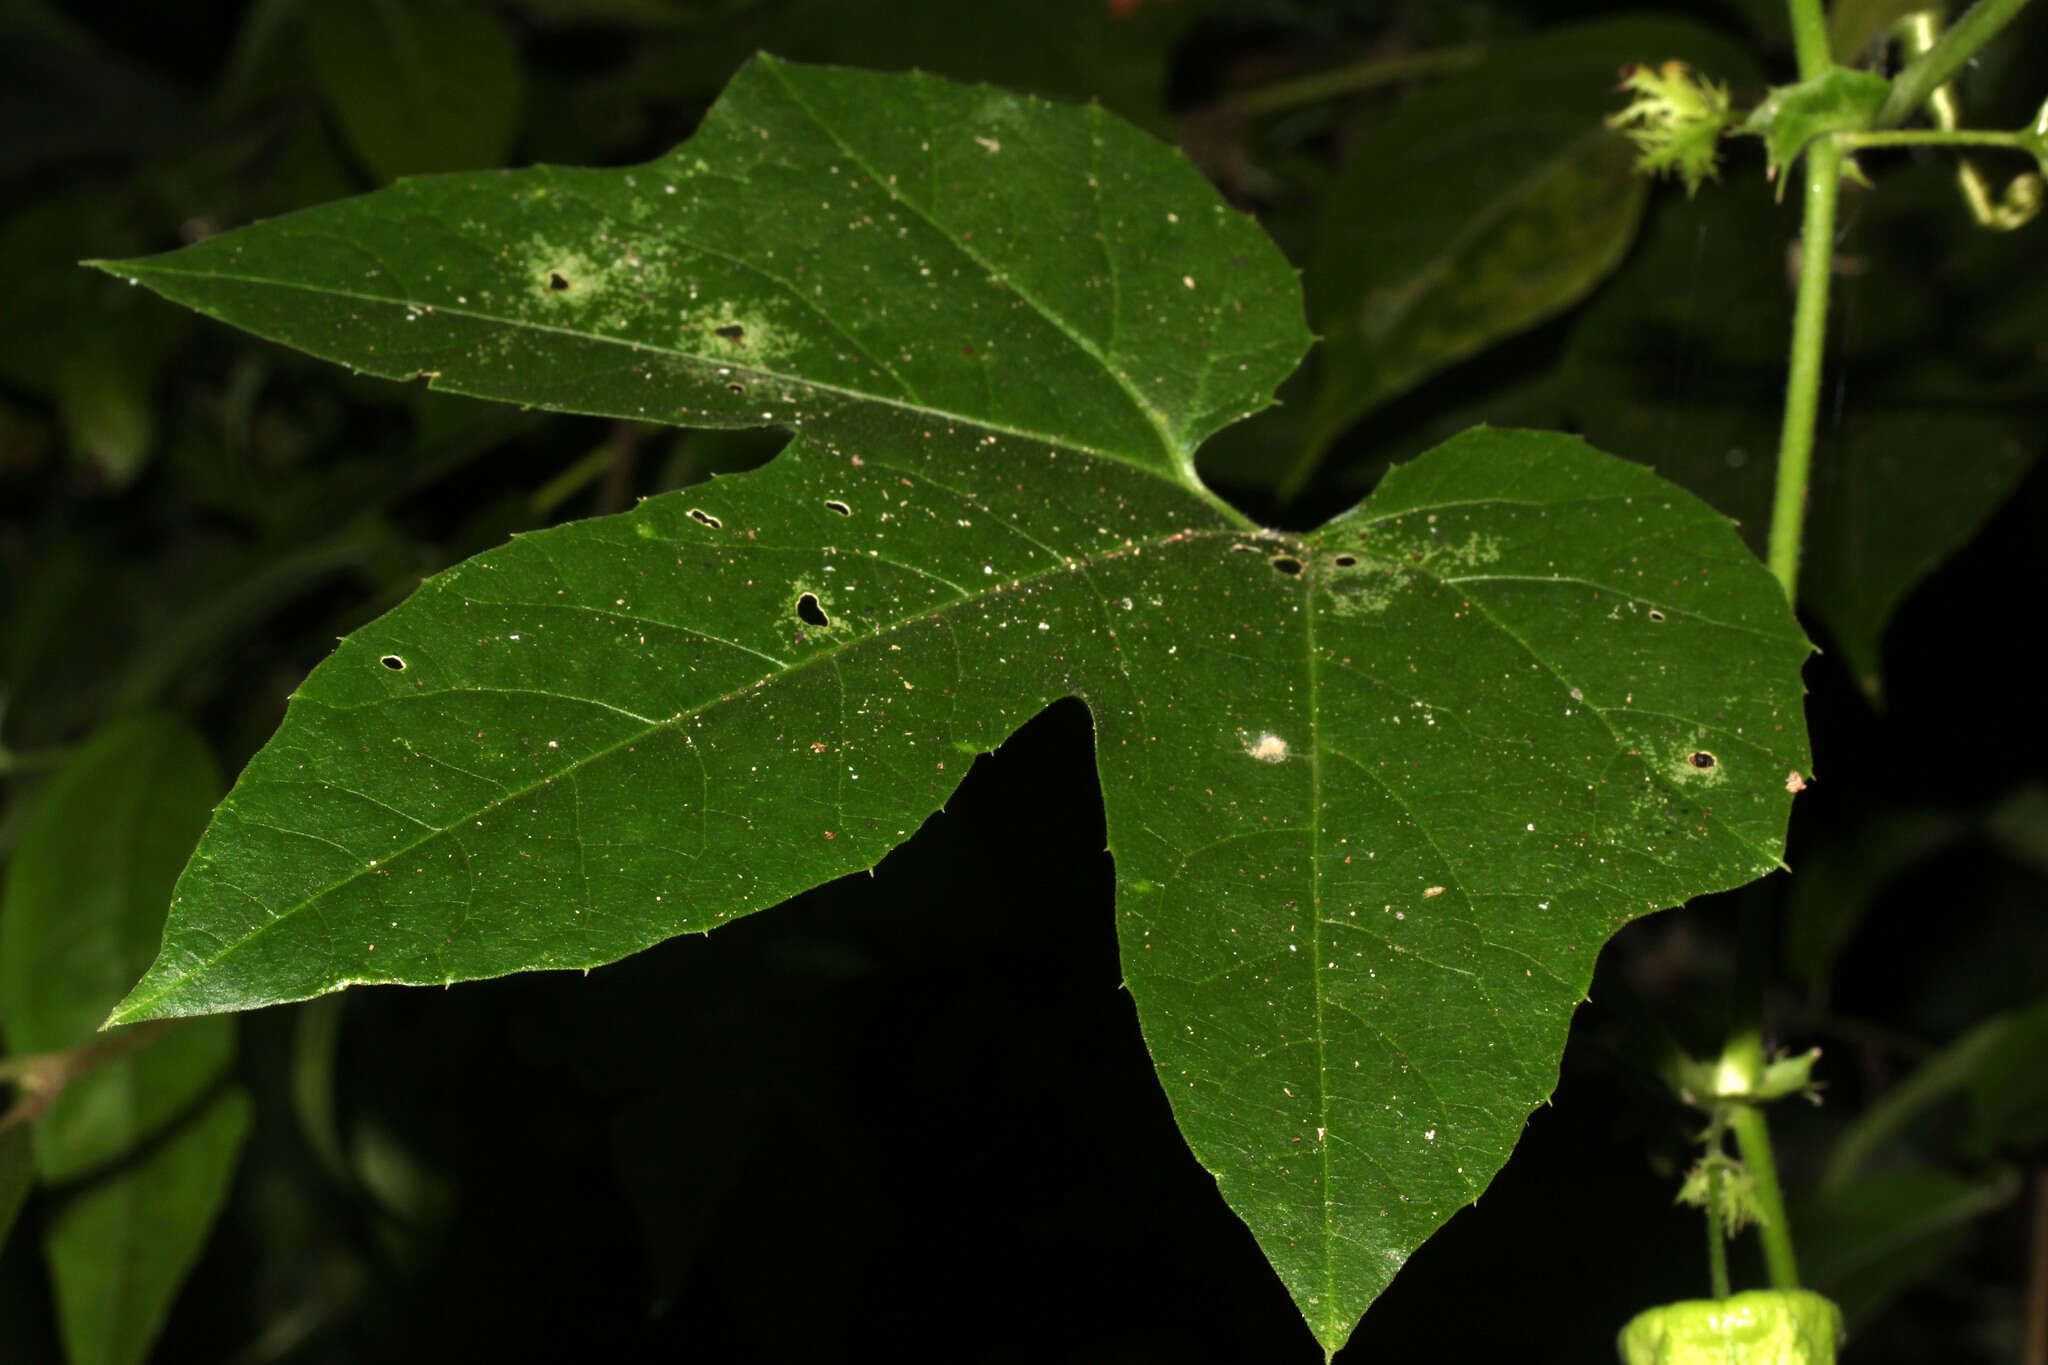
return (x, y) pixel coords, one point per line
(418, 85)
(2008, 1091)
(1853, 25)
(1491, 201)
(94, 351)
(52, 305)
(1837, 884)
(120, 1246)
(1889, 510)
(1978, 1063)
(1864, 1242)
(636, 13)
(2020, 825)
(1918, 482)
(26, 440)
(83, 913)
(106, 394)
(64, 97)
(1074, 49)
(1362, 785)
(1485, 248)
(54, 674)
(17, 1174)
(1934, 410)
(83, 909)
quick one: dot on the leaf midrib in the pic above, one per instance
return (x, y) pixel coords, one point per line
(1178, 457)
(1072, 564)
(133, 271)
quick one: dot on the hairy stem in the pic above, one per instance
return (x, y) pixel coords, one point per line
(1717, 1239)
(1738, 1075)
(1802, 384)
(1810, 37)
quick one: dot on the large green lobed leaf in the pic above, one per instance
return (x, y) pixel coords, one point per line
(1376, 794)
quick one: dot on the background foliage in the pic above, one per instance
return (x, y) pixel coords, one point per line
(920, 1098)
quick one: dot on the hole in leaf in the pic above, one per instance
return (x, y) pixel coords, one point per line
(699, 514)
(810, 613)
(1345, 561)
(737, 388)
(835, 505)
(393, 662)
(1702, 759)
(1287, 565)
(557, 281)
(1656, 615)
(732, 331)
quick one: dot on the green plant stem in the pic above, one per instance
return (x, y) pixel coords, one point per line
(587, 469)
(1738, 1074)
(41, 1076)
(1802, 383)
(1810, 37)
(1753, 1141)
(1717, 1241)
(1928, 72)
(2025, 140)
(1349, 80)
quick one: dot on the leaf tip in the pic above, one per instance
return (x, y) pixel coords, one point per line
(116, 1017)
(150, 998)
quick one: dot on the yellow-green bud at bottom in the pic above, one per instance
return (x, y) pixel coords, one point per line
(1762, 1327)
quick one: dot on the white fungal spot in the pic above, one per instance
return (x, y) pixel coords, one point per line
(1268, 748)
(990, 144)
